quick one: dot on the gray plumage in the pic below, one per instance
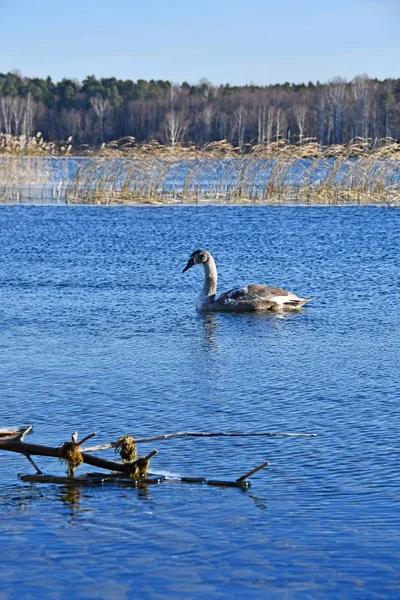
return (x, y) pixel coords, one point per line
(248, 298)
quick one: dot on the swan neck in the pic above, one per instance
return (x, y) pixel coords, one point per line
(210, 278)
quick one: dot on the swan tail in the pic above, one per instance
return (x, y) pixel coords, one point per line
(297, 303)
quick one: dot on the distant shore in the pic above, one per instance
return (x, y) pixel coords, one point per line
(36, 145)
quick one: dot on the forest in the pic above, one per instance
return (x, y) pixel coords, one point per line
(95, 111)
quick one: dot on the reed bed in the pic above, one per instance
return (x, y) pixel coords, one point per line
(34, 179)
(273, 174)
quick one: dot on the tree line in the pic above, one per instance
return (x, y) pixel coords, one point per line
(99, 110)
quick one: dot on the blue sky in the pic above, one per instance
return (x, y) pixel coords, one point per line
(251, 41)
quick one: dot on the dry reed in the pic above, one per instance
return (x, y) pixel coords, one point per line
(360, 172)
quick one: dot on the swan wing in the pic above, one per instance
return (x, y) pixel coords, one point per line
(258, 297)
(257, 292)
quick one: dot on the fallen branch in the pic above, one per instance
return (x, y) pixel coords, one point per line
(6, 433)
(243, 477)
(168, 436)
(130, 471)
(182, 434)
(16, 444)
(91, 479)
(240, 481)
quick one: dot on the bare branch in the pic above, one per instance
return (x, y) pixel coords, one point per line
(169, 436)
(221, 434)
(88, 437)
(20, 447)
(243, 477)
(38, 471)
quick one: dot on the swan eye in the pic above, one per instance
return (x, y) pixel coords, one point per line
(202, 257)
(199, 256)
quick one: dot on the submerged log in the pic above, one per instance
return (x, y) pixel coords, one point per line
(91, 479)
(125, 472)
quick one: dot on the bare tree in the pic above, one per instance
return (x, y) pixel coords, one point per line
(300, 112)
(173, 94)
(6, 113)
(360, 92)
(336, 92)
(261, 125)
(270, 123)
(389, 107)
(240, 118)
(278, 118)
(222, 124)
(73, 124)
(18, 107)
(100, 106)
(29, 115)
(321, 109)
(175, 127)
(206, 116)
(262, 118)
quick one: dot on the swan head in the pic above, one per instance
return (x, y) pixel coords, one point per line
(197, 257)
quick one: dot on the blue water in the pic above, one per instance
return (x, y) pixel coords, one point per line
(99, 332)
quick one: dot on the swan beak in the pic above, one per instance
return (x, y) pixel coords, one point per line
(189, 265)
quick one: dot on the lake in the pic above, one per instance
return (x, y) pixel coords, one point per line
(99, 332)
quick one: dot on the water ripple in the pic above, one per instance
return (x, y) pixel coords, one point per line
(99, 333)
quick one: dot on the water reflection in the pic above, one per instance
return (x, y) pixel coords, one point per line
(268, 316)
(210, 328)
(212, 322)
(71, 495)
(20, 499)
(262, 504)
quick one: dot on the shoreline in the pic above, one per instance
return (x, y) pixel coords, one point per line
(126, 147)
(203, 204)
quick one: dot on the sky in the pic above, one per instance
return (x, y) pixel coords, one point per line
(224, 41)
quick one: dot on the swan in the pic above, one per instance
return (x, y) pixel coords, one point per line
(247, 298)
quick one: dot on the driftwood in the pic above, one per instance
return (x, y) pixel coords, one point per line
(17, 444)
(182, 434)
(130, 471)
